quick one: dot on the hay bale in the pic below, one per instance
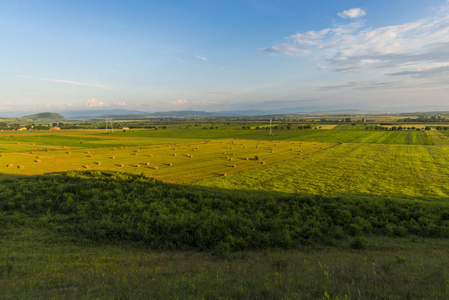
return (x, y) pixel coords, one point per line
(99, 163)
(224, 152)
(69, 152)
(147, 163)
(122, 165)
(32, 152)
(224, 174)
(85, 166)
(112, 157)
(87, 152)
(20, 167)
(89, 156)
(234, 166)
(232, 153)
(227, 157)
(271, 151)
(170, 164)
(38, 161)
(230, 159)
(48, 150)
(174, 154)
(9, 166)
(137, 166)
(191, 156)
(155, 167)
(135, 153)
(151, 155)
(262, 162)
(246, 158)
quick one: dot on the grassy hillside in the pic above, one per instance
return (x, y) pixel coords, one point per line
(100, 235)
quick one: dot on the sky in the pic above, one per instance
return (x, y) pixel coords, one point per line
(383, 55)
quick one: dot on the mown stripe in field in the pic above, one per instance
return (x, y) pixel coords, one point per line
(437, 137)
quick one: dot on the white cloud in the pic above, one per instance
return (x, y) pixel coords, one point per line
(180, 102)
(92, 102)
(48, 105)
(118, 103)
(201, 58)
(64, 105)
(352, 13)
(353, 47)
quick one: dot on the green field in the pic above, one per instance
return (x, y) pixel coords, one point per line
(354, 169)
(333, 213)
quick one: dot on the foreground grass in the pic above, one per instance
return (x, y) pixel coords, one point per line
(38, 264)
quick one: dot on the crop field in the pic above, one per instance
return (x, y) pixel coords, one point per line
(437, 137)
(81, 215)
(179, 162)
(357, 169)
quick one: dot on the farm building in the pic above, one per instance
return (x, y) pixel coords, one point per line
(22, 128)
(125, 128)
(55, 128)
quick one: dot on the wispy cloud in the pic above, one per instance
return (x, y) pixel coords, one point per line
(71, 82)
(353, 47)
(352, 13)
(201, 58)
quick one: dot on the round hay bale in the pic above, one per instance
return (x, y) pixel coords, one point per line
(85, 166)
(232, 153)
(32, 152)
(122, 165)
(20, 167)
(48, 150)
(234, 166)
(191, 156)
(137, 166)
(155, 167)
(9, 166)
(147, 163)
(151, 155)
(37, 160)
(227, 157)
(69, 152)
(263, 163)
(170, 164)
(230, 159)
(224, 152)
(89, 156)
(174, 154)
(87, 152)
(224, 174)
(112, 157)
(135, 153)
(37, 156)
(246, 158)
(99, 163)
(271, 151)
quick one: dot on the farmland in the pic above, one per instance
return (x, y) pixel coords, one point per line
(201, 211)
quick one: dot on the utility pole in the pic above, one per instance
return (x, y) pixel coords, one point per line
(106, 125)
(270, 128)
(112, 127)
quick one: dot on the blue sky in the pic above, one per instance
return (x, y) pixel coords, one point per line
(224, 55)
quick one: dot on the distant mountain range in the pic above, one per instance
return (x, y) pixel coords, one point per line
(137, 114)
